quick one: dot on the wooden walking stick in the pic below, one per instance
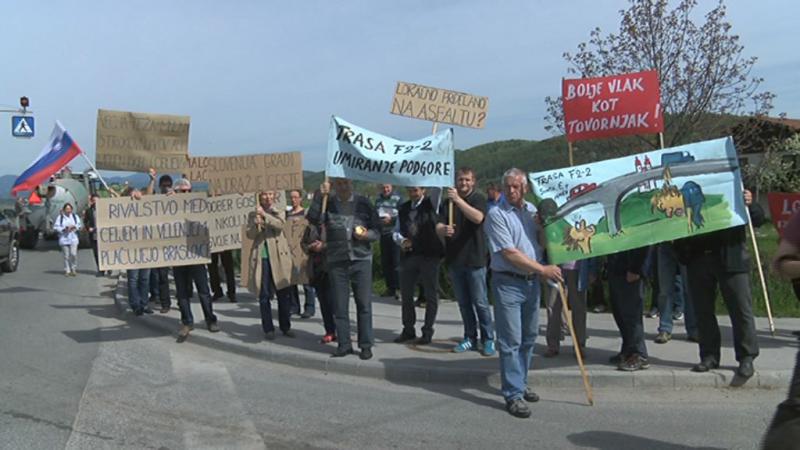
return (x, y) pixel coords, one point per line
(568, 313)
(760, 273)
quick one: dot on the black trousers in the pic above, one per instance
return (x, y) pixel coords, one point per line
(627, 303)
(704, 274)
(423, 270)
(390, 262)
(94, 252)
(226, 257)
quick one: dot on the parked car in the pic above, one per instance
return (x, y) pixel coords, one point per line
(9, 241)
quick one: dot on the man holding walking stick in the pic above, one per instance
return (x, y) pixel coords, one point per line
(515, 253)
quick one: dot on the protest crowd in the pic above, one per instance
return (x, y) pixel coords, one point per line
(504, 257)
(492, 248)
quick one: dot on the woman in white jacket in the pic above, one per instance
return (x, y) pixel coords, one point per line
(67, 226)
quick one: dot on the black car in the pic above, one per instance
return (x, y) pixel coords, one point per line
(9, 241)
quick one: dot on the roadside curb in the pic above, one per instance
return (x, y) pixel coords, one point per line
(454, 376)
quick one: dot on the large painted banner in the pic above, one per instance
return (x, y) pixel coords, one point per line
(154, 231)
(781, 207)
(439, 105)
(139, 141)
(612, 106)
(638, 200)
(361, 154)
(226, 215)
(248, 173)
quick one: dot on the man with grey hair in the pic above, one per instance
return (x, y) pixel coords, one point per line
(515, 263)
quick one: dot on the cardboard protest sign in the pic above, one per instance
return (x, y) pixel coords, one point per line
(612, 106)
(781, 207)
(155, 231)
(248, 173)
(226, 215)
(361, 154)
(439, 105)
(137, 141)
(638, 200)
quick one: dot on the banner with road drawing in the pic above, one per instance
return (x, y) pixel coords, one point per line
(619, 204)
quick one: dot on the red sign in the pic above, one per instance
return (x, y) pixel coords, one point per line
(781, 208)
(612, 106)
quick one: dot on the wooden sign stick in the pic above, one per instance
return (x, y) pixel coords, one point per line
(586, 386)
(761, 273)
(450, 211)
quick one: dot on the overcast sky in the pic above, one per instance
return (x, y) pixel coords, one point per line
(265, 76)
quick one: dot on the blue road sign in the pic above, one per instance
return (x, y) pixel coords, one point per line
(22, 126)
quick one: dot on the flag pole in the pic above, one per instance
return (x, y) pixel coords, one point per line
(89, 161)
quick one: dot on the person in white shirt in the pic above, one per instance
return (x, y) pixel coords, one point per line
(67, 225)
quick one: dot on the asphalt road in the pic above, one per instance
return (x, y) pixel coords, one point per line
(75, 374)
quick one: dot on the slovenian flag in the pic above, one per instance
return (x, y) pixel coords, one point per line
(59, 151)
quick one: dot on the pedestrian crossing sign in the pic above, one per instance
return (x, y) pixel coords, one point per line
(22, 126)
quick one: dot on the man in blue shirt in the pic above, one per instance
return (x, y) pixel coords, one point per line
(515, 252)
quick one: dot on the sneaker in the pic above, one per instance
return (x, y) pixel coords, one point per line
(530, 396)
(653, 313)
(662, 338)
(518, 408)
(213, 327)
(678, 316)
(599, 309)
(183, 333)
(634, 363)
(73, 274)
(328, 338)
(488, 348)
(464, 346)
(366, 353)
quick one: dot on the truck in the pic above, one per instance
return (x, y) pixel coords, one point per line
(39, 211)
(673, 158)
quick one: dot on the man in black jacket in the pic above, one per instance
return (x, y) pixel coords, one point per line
(721, 258)
(627, 304)
(421, 252)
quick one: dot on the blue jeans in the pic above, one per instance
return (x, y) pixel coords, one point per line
(310, 295)
(284, 301)
(184, 277)
(516, 313)
(673, 291)
(138, 288)
(469, 288)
